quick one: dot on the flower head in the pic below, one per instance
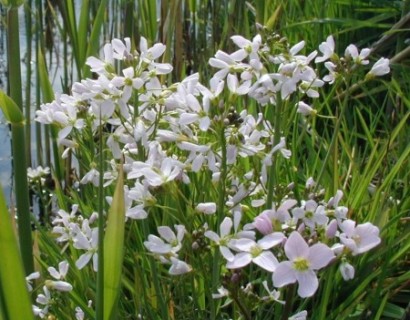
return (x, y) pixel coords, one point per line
(302, 264)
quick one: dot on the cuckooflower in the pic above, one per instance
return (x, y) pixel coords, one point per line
(359, 239)
(256, 252)
(380, 68)
(353, 53)
(29, 278)
(302, 264)
(59, 275)
(327, 48)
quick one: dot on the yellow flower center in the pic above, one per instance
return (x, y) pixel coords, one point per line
(301, 264)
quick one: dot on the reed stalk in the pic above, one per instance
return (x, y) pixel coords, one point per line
(20, 158)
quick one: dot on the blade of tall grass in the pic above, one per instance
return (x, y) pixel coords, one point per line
(114, 250)
(48, 96)
(17, 304)
(94, 40)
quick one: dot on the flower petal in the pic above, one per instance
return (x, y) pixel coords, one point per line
(240, 260)
(308, 283)
(296, 246)
(320, 255)
(284, 274)
(267, 261)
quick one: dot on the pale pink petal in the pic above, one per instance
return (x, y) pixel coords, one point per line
(308, 283)
(226, 253)
(244, 244)
(226, 226)
(271, 240)
(166, 233)
(319, 256)
(267, 261)
(54, 273)
(296, 246)
(284, 274)
(83, 260)
(240, 260)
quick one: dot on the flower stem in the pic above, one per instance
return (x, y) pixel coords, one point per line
(289, 301)
(276, 139)
(220, 215)
(101, 223)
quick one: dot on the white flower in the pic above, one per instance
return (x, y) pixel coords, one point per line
(222, 292)
(178, 267)
(299, 316)
(272, 219)
(150, 54)
(206, 207)
(37, 173)
(256, 252)
(235, 87)
(273, 295)
(353, 53)
(172, 243)
(59, 275)
(86, 239)
(327, 48)
(247, 48)
(79, 313)
(45, 300)
(347, 270)
(359, 239)
(380, 68)
(29, 278)
(302, 264)
(92, 176)
(222, 239)
(311, 214)
(305, 109)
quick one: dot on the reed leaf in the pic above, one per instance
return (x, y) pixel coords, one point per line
(16, 301)
(48, 96)
(94, 41)
(114, 249)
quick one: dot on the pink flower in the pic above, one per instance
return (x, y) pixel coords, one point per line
(302, 264)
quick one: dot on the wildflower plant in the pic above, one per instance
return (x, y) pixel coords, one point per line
(207, 211)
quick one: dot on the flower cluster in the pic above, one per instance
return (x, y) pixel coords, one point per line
(176, 140)
(310, 236)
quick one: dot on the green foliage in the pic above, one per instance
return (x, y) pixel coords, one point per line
(15, 302)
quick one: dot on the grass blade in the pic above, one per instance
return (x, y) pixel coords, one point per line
(13, 289)
(113, 249)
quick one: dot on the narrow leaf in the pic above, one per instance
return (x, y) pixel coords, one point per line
(113, 249)
(12, 283)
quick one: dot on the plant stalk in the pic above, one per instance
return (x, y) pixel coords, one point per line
(18, 143)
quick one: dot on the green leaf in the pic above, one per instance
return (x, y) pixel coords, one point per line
(12, 3)
(114, 249)
(17, 303)
(45, 84)
(10, 109)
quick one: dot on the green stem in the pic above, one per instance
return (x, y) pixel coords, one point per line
(101, 225)
(289, 301)
(220, 216)
(18, 143)
(28, 80)
(332, 143)
(22, 199)
(327, 292)
(276, 139)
